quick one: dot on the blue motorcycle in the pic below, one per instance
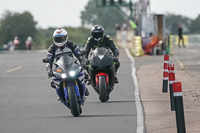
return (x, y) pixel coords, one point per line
(71, 78)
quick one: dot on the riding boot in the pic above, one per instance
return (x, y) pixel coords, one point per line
(89, 81)
(53, 85)
(116, 80)
(87, 93)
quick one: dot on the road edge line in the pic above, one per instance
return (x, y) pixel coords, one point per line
(139, 108)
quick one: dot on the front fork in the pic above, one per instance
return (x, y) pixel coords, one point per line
(64, 97)
(61, 96)
(66, 92)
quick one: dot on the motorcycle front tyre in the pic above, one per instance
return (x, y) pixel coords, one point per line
(102, 89)
(75, 107)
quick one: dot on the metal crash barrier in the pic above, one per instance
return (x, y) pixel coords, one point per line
(189, 41)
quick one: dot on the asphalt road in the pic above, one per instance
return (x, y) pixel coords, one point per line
(28, 104)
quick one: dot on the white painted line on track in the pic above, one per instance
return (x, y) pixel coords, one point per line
(14, 69)
(42, 51)
(179, 62)
(139, 108)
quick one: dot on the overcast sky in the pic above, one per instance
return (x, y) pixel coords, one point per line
(60, 13)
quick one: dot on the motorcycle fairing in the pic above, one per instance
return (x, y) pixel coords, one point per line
(100, 55)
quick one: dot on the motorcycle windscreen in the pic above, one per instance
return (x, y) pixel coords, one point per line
(101, 58)
(65, 62)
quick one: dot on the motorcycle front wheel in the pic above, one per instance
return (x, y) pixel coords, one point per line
(102, 89)
(75, 107)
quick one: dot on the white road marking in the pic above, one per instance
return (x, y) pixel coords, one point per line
(14, 69)
(179, 62)
(140, 117)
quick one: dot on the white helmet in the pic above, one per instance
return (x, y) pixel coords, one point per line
(60, 37)
(29, 38)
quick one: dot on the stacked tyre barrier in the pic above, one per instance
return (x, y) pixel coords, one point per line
(176, 95)
(136, 48)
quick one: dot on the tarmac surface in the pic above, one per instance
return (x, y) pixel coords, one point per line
(158, 115)
(29, 105)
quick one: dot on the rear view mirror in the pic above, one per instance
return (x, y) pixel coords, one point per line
(46, 60)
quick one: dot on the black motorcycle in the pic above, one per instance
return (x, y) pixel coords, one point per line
(102, 72)
(70, 75)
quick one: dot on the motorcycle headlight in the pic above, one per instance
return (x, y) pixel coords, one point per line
(63, 75)
(72, 73)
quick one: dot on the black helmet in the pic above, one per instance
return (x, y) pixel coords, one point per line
(97, 32)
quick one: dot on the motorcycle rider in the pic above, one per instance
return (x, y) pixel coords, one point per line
(61, 46)
(99, 39)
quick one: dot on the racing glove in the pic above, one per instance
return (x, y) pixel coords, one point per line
(115, 59)
(50, 73)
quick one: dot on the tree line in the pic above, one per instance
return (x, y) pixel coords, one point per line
(190, 26)
(24, 25)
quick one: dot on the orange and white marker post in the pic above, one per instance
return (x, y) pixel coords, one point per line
(178, 98)
(171, 73)
(165, 73)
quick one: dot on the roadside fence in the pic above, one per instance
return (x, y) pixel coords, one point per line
(189, 41)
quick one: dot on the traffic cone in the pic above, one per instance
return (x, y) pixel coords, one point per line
(165, 73)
